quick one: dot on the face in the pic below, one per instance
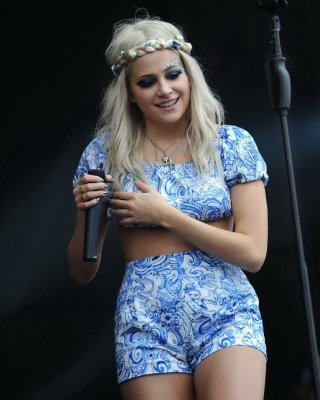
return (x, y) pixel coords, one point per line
(159, 85)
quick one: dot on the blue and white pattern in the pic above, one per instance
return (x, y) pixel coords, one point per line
(174, 310)
(206, 198)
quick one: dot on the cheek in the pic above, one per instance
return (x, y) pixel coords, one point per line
(143, 98)
(137, 94)
(188, 88)
(185, 90)
(184, 87)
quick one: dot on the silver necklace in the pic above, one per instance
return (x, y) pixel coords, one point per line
(166, 159)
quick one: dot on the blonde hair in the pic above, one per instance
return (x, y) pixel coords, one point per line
(123, 120)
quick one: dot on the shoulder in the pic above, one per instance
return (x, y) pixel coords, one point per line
(99, 143)
(232, 134)
(95, 151)
(240, 156)
(94, 155)
(233, 141)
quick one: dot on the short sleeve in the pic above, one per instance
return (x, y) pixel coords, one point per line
(93, 157)
(240, 157)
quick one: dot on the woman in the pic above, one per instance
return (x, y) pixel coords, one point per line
(188, 195)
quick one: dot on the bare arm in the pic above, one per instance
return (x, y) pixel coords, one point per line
(246, 246)
(92, 187)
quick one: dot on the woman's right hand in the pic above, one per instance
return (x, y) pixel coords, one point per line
(89, 189)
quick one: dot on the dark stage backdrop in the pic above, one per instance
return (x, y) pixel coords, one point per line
(56, 336)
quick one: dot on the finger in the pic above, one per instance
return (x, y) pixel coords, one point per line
(87, 196)
(123, 217)
(78, 189)
(124, 195)
(144, 187)
(109, 179)
(86, 178)
(119, 203)
(126, 221)
(91, 187)
(122, 212)
(84, 205)
(81, 180)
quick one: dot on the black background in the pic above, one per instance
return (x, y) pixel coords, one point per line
(56, 336)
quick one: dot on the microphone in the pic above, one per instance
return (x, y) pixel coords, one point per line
(92, 224)
(272, 5)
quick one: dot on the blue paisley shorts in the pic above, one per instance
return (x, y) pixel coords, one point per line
(174, 310)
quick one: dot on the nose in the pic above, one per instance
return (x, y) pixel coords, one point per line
(164, 88)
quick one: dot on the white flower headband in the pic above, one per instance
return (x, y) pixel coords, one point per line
(149, 46)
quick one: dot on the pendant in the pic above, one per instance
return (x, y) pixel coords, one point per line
(166, 159)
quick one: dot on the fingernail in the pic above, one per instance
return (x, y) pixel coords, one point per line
(106, 185)
(101, 179)
(105, 192)
(97, 199)
(135, 179)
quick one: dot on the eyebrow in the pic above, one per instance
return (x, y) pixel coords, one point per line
(173, 63)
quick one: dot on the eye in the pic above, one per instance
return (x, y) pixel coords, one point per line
(173, 74)
(146, 82)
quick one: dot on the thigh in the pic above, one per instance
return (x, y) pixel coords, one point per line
(233, 373)
(175, 386)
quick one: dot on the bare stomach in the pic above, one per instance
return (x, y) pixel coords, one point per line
(147, 242)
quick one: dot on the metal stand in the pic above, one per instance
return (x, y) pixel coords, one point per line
(279, 87)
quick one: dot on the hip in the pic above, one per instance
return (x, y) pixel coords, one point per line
(189, 277)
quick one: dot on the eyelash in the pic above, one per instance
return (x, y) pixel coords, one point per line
(148, 82)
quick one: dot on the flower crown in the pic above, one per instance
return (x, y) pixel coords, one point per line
(149, 46)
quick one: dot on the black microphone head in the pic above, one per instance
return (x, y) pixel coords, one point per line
(272, 6)
(97, 172)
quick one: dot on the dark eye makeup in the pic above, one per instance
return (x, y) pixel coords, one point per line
(147, 82)
(173, 74)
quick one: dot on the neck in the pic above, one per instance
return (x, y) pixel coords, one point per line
(165, 133)
(176, 145)
(165, 139)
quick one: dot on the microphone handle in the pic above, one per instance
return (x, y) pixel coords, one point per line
(92, 224)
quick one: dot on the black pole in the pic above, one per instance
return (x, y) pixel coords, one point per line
(279, 87)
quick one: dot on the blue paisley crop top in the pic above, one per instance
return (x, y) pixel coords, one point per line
(204, 199)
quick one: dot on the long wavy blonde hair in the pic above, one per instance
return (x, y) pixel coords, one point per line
(124, 122)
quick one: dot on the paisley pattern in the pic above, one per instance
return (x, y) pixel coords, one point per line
(174, 310)
(206, 198)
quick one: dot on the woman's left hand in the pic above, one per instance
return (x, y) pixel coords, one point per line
(147, 206)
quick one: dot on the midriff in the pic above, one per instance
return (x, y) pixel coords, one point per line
(140, 243)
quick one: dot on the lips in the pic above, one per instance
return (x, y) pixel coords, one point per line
(169, 103)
